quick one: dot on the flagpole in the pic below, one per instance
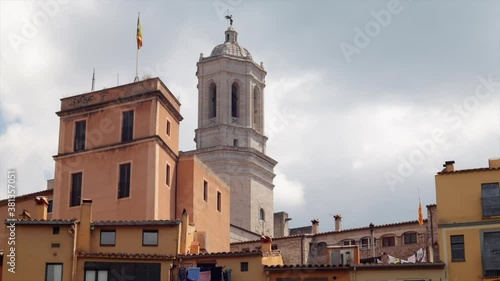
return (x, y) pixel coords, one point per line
(137, 54)
(137, 66)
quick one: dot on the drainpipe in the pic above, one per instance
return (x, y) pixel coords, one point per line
(72, 231)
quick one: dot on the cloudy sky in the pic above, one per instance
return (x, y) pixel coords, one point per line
(365, 100)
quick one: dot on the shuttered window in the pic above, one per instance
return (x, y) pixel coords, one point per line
(457, 248)
(490, 196)
(491, 254)
(124, 181)
(127, 126)
(79, 142)
(76, 190)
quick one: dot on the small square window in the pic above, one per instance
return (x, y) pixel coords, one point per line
(244, 266)
(150, 238)
(55, 230)
(274, 247)
(108, 237)
(168, 128)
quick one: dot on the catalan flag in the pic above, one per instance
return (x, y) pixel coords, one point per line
(139, 33)
(420, 214)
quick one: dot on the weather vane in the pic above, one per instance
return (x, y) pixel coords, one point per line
(230, 18)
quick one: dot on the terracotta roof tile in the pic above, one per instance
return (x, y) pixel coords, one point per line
(138, 222)
(333, 231)
(307, 267)
(38, 222)
(29, 196)
(222, 254)
(124, 255)
(468, 171)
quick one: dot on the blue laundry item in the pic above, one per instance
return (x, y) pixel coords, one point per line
(194, 273)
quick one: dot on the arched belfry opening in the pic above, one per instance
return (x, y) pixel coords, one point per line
(257, 109)
(235, 92)
(212, 101)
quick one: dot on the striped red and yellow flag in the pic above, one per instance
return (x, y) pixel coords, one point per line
(420, 214)
(139, 33)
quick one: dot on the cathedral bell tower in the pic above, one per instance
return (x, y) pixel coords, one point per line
(230, 135)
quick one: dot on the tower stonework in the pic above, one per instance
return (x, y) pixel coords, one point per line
(230, 135)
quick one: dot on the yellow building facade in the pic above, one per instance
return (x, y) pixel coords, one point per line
(469, 221)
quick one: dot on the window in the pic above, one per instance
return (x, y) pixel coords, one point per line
(212, 108)
(49, 208)
(127, 125)
(96, 275)
(388, 241)
(108, 237)
(55, 230)
(348, 243)
(219, 201)
(274, 247)
(410, 238)
(235, 142)
(205, 191)
(262, 214)
(457, 248)
(234, 101)
(55, 245)
(365, 243)
(124, 181)
(79, 143)
(244, 266)
(491, 254)
(150, 238)
(490, 197)
(167, 175)
(76, 190)
(168, 128)
(53, 271)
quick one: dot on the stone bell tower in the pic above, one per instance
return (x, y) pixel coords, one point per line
(230, 136)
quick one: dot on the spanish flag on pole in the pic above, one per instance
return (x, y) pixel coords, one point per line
(420, 214)
(139, 33)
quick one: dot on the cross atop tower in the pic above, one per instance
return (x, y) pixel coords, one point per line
(230, 18)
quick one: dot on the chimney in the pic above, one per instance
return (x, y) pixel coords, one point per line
(338, 222)
(494, 163)
(195, 248)
(85, 228)
(315, 226)
(266, 244)
(449, 166)
(41, 205)
(184, 232)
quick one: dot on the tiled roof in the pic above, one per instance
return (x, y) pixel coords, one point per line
(222, 254)
(330, 232)
(399, 266)
(125, 256)
(376, 226)
(29, 196)
(306, 267)
(467, 171)
(38, 222)
(143, 222)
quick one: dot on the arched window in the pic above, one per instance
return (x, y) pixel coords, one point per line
(212, 101)
(234, 100)
(227, 37)
(262, 214)
(256, 108)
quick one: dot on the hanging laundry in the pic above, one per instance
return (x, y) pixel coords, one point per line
(193, 273)
(182, 274)
(205, 276)
(216, 273)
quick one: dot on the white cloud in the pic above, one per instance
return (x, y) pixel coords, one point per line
(287, 193)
